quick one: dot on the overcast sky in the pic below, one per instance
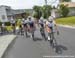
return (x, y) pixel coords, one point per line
(24, 4)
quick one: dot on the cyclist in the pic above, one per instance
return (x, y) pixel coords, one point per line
(25, 27)
(21, 26)
(2, 28)
(42, 25)
(31, 26)
(51, 27)
(13, 23)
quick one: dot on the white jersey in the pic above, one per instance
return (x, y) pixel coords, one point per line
(32, 20)
(24, 21)
(51, 25)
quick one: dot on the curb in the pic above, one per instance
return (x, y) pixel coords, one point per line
(66, 26)
(8, 46)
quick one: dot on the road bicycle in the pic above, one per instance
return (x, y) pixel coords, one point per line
(42, 31)
(52, 40)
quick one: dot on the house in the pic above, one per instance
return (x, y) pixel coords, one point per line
(55, 13)
(7, 13)
(71, 6)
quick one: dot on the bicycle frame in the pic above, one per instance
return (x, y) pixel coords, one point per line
(52, 38)
(42, 32)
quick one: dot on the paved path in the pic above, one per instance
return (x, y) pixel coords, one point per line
(4, 43)
(24, 47)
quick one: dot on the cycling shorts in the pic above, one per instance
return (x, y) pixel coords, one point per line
(42, 25)
(31, 25)
(25, 25)
(13, 24)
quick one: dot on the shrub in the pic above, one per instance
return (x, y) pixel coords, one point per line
(64, 10)
(9, 28)
(7, 23)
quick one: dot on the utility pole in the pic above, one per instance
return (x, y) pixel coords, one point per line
(46, 7)
(45, 2)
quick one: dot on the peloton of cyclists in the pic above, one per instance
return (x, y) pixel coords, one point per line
(49, 25)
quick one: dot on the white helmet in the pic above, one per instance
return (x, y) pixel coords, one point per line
(29, 16)
(50, 18)
(41, 18)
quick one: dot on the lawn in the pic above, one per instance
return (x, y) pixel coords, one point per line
(66, 21)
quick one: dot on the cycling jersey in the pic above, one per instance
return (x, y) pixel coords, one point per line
(31, 23)
(24, 22)
(50, 26)
(41, 22)
(13, 23)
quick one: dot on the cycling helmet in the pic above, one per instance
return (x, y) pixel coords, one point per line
(50, 18)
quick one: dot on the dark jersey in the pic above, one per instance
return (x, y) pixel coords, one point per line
(31, 23)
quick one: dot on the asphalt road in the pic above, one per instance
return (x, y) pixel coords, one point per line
(23, 47)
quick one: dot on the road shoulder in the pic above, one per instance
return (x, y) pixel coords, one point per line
(5, 41)
(66, 26)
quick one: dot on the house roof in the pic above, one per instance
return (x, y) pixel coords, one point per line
(69, 4)
(18, 11)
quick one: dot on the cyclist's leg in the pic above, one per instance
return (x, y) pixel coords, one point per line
(42, 32)
(22, 30)
(54, 40)
(30, 31)
(49, 36)
(26, 31)
(14, 29)
(51, 40)
(33, 32)
(33, 35)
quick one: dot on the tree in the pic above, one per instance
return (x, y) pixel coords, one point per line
(25, 15)
(66, 0)
(64, 10)
(46, 11)
(38, 12)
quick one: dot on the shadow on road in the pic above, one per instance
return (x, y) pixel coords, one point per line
(60, 49)
(37, 39)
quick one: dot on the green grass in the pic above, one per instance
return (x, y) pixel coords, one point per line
(66, 21)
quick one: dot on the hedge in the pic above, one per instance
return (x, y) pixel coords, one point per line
(7, 23)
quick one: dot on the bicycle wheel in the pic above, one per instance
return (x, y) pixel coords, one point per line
(52, 39)
(42, 33)
(32, 34)
(54, 44)
(33, 37)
